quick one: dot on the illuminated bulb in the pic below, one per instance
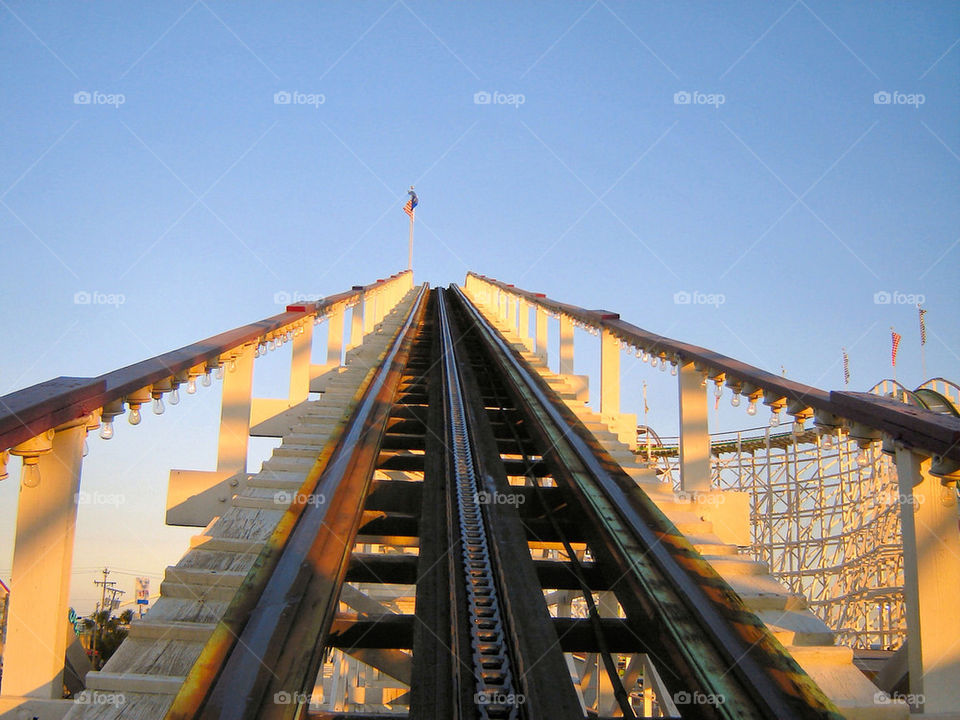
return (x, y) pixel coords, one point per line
(798, 426)
(219, 372)
(653, 362)
(206, 379)
(752, 407)
(863, 457)
(663, 366)
(718, 390)
(134, 417)
(262, 347)
(271, 344)
(646, 356)
(175, 397)
(191, 386)
(158, 406)
(232, 367)
(106, 429)
(288, 336)
(673, 370)
(774, 418)
(735, 399)
(30, 475)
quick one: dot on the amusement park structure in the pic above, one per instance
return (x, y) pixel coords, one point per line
(455, 524)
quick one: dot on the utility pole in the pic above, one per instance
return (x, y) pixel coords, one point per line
(105, 586)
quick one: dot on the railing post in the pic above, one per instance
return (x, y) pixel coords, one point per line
(523, 328)
(356, 322)
(236, 398)
(694, 432)
(931, 573)
(42, 561)
(370, 311)
(335, 336)
(541, 330)
(566, 345)
(300, 363)
(609, 376)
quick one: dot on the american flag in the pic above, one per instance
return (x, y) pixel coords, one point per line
(846, 367)
(411, 203)
(923, 325)
(895, 337)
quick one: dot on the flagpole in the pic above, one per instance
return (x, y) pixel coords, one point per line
(410, 246)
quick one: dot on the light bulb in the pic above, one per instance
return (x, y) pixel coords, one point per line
(653, 362)
(106, 428)
(798, 426)
(646, 356)
(175, 396)
(232, 367)
(288, 336)
(219, 372)
(30, 474)
(673, 370)
(271, 344)
(827, 440)
(663, 366)
(863, 457)
(158, 406)
(206, 379)
(134, 417)
(752, 407)
(735, 399)
(774, 418)
(262, 347)
(191, 385)
(718, 390)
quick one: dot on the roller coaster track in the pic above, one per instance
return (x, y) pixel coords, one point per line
(506, 467)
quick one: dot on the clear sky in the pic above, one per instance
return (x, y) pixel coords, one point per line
(786, 161)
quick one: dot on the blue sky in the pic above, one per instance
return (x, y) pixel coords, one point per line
(787, 187)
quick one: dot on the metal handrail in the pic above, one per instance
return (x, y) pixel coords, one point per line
(26, 413)
(917, 428)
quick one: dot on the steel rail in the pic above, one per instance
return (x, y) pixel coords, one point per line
(26, 413)
(918, 428)
(237, 669)
(493, 673)
(535, 647)
(760, 678)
